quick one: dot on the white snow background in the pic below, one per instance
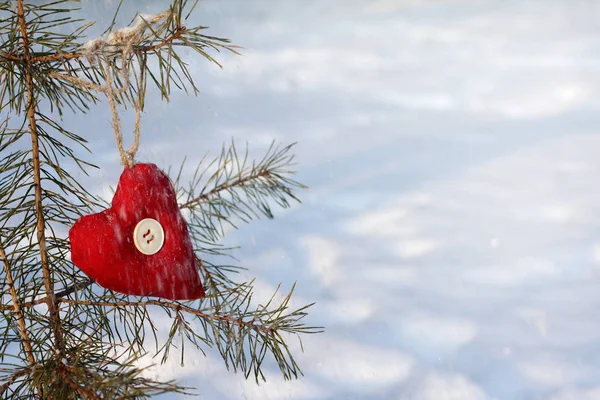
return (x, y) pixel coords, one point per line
(451, 232)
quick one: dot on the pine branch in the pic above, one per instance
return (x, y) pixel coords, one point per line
(238, 190)
(215, 192)
(170, 40)
(100, 334)
(58, 295)
(80, 390)
(41, 236)
(72, 289)
(175, 306)
(14, 377)
(244, 337)
(17, 307)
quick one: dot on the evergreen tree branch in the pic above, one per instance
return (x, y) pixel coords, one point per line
(39, 211)
(72, 289)
(133, 386)
(77, 388)
(39, 200)
(58, 295)
(177, 34)
(242, 335)
(17, 308)
(216, 191)
(14, 377)
(175, 307)
(238, 190)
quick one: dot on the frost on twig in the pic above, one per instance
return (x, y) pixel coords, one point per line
(124, 37)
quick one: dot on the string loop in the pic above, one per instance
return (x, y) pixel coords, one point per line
(102, 50)
(127, 156)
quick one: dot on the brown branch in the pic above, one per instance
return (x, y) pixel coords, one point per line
(73, 56)
(39, 59)
(57, 295)
(39, 211)
(17, 308)
(76, 387)
(73, 385)
(173, 306)
(73, 289)
(14, 377)
(226, 186)
(176, 35)
(209, 276)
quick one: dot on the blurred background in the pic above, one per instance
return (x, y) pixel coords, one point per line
(450, 235)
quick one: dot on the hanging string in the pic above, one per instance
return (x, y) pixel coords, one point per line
(127, 156)
(96, 50)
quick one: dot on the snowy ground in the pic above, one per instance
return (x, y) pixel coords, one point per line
(451, 235)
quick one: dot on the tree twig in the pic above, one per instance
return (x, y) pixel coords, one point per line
(72, 289)
(76, 55)
(173, 306)
(77, 387)
(16, 307)
(226, 186)
(14, 377)
(39, 211)
(58, 295)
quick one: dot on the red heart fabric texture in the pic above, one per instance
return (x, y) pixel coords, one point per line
(103, 244)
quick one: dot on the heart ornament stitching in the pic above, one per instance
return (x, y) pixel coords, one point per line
(141, 245)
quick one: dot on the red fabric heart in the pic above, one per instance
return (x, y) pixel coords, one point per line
(102, 245)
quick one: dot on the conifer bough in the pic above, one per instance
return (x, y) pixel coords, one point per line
(62, 336)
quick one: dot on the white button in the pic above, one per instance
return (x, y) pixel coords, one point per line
(148, 236)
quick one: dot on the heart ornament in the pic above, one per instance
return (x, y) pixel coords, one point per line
(141, 245)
